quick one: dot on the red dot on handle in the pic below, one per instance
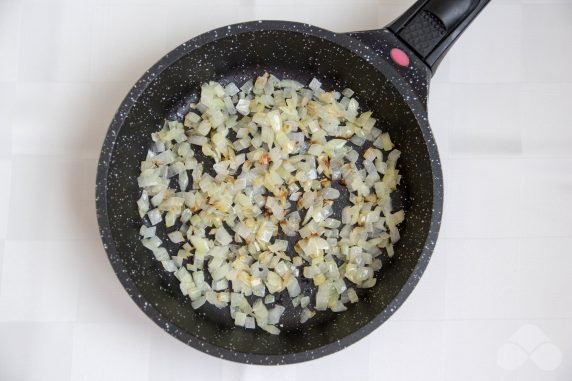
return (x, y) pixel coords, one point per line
(399, 57)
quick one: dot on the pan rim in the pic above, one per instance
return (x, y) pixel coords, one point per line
(345, 41)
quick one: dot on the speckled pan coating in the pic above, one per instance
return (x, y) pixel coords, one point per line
(292, 50)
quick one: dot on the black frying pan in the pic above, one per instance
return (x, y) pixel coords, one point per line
(390, 71)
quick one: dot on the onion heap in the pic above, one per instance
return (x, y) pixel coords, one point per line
(254, 216)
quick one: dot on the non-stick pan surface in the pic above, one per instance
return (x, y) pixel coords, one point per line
(288, 50)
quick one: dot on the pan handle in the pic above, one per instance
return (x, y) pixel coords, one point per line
(431, 27)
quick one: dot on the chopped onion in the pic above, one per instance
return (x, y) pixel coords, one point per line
(275, 313)
(306, 315)
(143, 204)
(240, 319)
(222, 236)
(176, 237)
(169, 265)
(271, 329)
(323, 296)
(243, 106)
(249, 324)
(147, 232)
(280, 154)
(386, 143)
(200, 244)
(330, 193)
(154, 216)
(196, 304)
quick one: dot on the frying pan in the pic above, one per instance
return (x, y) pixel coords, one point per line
(389, 69)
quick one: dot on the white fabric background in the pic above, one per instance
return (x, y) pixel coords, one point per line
(495, 301)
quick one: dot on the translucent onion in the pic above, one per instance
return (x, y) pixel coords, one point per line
(281, 152)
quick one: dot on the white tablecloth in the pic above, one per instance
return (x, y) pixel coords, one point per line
(495, 302)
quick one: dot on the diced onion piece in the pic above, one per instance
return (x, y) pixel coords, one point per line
(271, 329)
(386, 143)
(315, 84)
(176, 237)
(231, 89)
(200, 244)
(143, 204)
(306, 315)
(147, 232)
(275, 313)
(293, 287)
(154, 216)
(333, 146)
(243, 107)
(151, 243)
(240, 319)
(250, 323)
(196, 304)
(353, 297)
(169, 265)
(339, 307)
(260, 313)
(330, 193)
(222, 236)
(323, 296)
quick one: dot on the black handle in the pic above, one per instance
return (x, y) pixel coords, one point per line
(431, 27)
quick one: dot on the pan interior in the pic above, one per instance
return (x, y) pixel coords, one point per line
(238, 58)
